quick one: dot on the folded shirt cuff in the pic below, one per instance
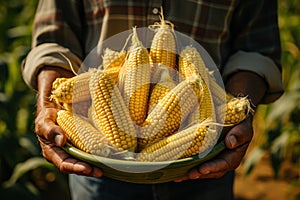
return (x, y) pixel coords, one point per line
(261, 65)
(48, 54)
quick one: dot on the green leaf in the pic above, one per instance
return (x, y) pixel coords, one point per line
(283, 107)
(25, 167)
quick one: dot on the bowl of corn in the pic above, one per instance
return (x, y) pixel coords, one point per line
(144, 172)
(149, 111)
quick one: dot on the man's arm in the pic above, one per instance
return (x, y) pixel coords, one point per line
(50, 135)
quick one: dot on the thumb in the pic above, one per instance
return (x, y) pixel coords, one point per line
(47, 129)
(240, 134)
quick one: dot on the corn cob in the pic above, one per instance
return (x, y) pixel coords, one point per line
(135, 80)
(197, 139)
(163, 46)
(111, 114)
(113, 62)
(189, 59)
(160, 88)
(82, 134)
(167, 116)
(191, 62)
(72, 90)
(205, 109)
(235, 111)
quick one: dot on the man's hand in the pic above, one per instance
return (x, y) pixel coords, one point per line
(50, 135)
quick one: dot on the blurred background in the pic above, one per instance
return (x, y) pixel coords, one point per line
(270, 170)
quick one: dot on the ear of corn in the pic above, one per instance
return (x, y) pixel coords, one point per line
(168, 114)
(113, 62)
(194, 140)
(205, 109)
(111, 114)
(160, 88)
(163, 46)
(235, 111)
(75, 89)
(135, 80)
(82, 134)
(190, 63)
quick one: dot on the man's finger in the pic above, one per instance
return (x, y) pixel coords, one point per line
(66, 164)
(239, 134)
(47, 129)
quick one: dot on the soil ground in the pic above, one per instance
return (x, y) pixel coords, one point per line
(261, 185)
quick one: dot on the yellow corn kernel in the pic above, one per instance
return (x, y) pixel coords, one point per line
(168, 114)
(190, 62)
(135, 80)
(82, 134)
(197, 139)
(163, 46)
(161, 87)
(56, 83)
(113, 62)
(205, 109)
(236, 110)
(113, 73)
(64, 92)
(111, 114)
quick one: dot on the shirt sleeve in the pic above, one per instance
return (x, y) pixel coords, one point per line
(47, 54)
(56, 38)
(256, 45)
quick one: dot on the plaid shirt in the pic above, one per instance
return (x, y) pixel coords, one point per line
(238, 34)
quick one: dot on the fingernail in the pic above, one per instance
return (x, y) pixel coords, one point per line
(206, 172)
(232, 141)
(58, 140)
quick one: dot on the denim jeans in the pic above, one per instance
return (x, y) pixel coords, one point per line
(87, 188)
